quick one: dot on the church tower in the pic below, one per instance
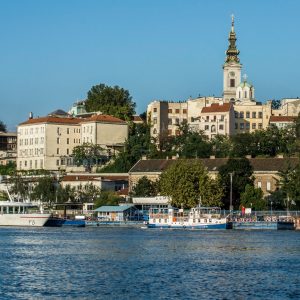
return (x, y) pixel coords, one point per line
(231, 68)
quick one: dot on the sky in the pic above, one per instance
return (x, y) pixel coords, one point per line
(53, 51)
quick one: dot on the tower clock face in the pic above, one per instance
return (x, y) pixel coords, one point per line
(232, 74)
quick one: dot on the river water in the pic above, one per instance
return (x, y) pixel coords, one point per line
(131, 263)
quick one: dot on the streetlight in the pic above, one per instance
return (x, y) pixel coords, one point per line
(230, 204)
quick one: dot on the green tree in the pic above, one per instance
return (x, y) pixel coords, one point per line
(107, 198)
(19, 187)
(87, 193)
(289, 185)
(8, 169)
(275, 104)
(242, 175)
(253, 198)
(109, 100)
(2, 127)
(64, 194)
(145, 188)
(88, 155)
(187, 182)
(242, 145)
(191, 144)
(45, 190)
(221, 146)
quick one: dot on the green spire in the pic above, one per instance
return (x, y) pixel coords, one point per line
(232, 52)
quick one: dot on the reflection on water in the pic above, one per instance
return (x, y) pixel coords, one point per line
(120, 263)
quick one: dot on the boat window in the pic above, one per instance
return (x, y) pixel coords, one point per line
(209, 220)
(10, 210)
(4, 209)
(205, 221)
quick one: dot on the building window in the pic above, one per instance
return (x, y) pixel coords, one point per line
(253, 125)
(58, 130)
(221, 127)
(259, 184)
(236, 125)
(57, 162)
(232, 82)
(222, 118)
(239, 94)
(41, 164)
(68, 130)
(254, 115)
(268, 186)
(245, 94)
(241, 125)
(248, 114)
(154, 109)
(259, 125)
(184, 111)
(242, 115)
(154, 120)
(170, 121)
(213, 128)
(177, 121)
(260, 115)
(67, 151)
(57, 140)
(236, 114)
(170, 110)
(206, 127)
(247, 125)
(177, 111)
(67, 140)
(57, 151)
(154, 131)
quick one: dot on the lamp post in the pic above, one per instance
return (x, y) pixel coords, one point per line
(230, 204)
(271, 210)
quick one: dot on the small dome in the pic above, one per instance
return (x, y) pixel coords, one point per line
(244, 84)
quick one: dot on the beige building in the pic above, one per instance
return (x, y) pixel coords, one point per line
(265, 170)
(249, 114)
(48, 142)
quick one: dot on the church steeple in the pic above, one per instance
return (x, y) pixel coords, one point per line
(232, 52)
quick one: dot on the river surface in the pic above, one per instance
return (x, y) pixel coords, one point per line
(131, 263)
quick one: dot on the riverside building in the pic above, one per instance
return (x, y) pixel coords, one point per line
(241, 112)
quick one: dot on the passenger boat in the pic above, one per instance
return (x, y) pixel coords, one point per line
(196, 218)
(13, 213)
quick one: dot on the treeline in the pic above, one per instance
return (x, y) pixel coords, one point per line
(193, 144)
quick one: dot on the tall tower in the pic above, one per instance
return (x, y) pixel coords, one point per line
(231, 68)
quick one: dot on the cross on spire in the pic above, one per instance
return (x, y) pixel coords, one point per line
(245, 77)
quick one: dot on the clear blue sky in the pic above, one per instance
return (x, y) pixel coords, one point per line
(53, 51)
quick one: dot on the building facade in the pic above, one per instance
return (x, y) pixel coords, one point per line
(249, 114)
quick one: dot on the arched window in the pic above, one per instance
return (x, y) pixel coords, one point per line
(213, 128)
(245, 94)
(154, 131)
(239, 94)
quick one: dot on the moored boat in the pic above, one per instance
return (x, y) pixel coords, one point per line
(197, 218)
(13, 213)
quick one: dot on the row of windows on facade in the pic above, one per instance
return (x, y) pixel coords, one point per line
(30, 164)
(247, 126)
(37, 151)
(241, 114)
(171, 111)
(35, 141)
(37, 130)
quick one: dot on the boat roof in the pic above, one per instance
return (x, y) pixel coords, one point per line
(15, 203)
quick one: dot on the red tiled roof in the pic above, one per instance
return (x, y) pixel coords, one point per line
(215, 107)
(282, 119)
(137, 119)
(103, 118)
(50, 119)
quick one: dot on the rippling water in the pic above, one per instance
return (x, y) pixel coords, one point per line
(120, 263)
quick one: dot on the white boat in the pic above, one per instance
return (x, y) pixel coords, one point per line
(196, 218)
(13, 213)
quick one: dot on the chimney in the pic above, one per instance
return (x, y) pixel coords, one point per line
(31, 115)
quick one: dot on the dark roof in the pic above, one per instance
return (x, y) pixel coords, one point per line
(212, 164)
(58, 112)
(104, 118)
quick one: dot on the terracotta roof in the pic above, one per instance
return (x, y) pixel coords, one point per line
(137, 119)
(103, 118)
(50, 119)
(215, 107)
(282, 119)
(258, 164)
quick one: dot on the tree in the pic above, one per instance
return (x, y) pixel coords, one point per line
(253, 198)
(87, 193)
(187, 182)
(242, 175)
(242, 145)
(45, 190)
(109, 100)
(289, 185)
(191, 144)
(88, 154)
(221, 145)
(19, 187)
(107, 198)
(8, 169)
(145, 188)
(2, 127)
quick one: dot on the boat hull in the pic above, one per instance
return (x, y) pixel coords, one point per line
(32, 220)
(196, 226)
(264, 225)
